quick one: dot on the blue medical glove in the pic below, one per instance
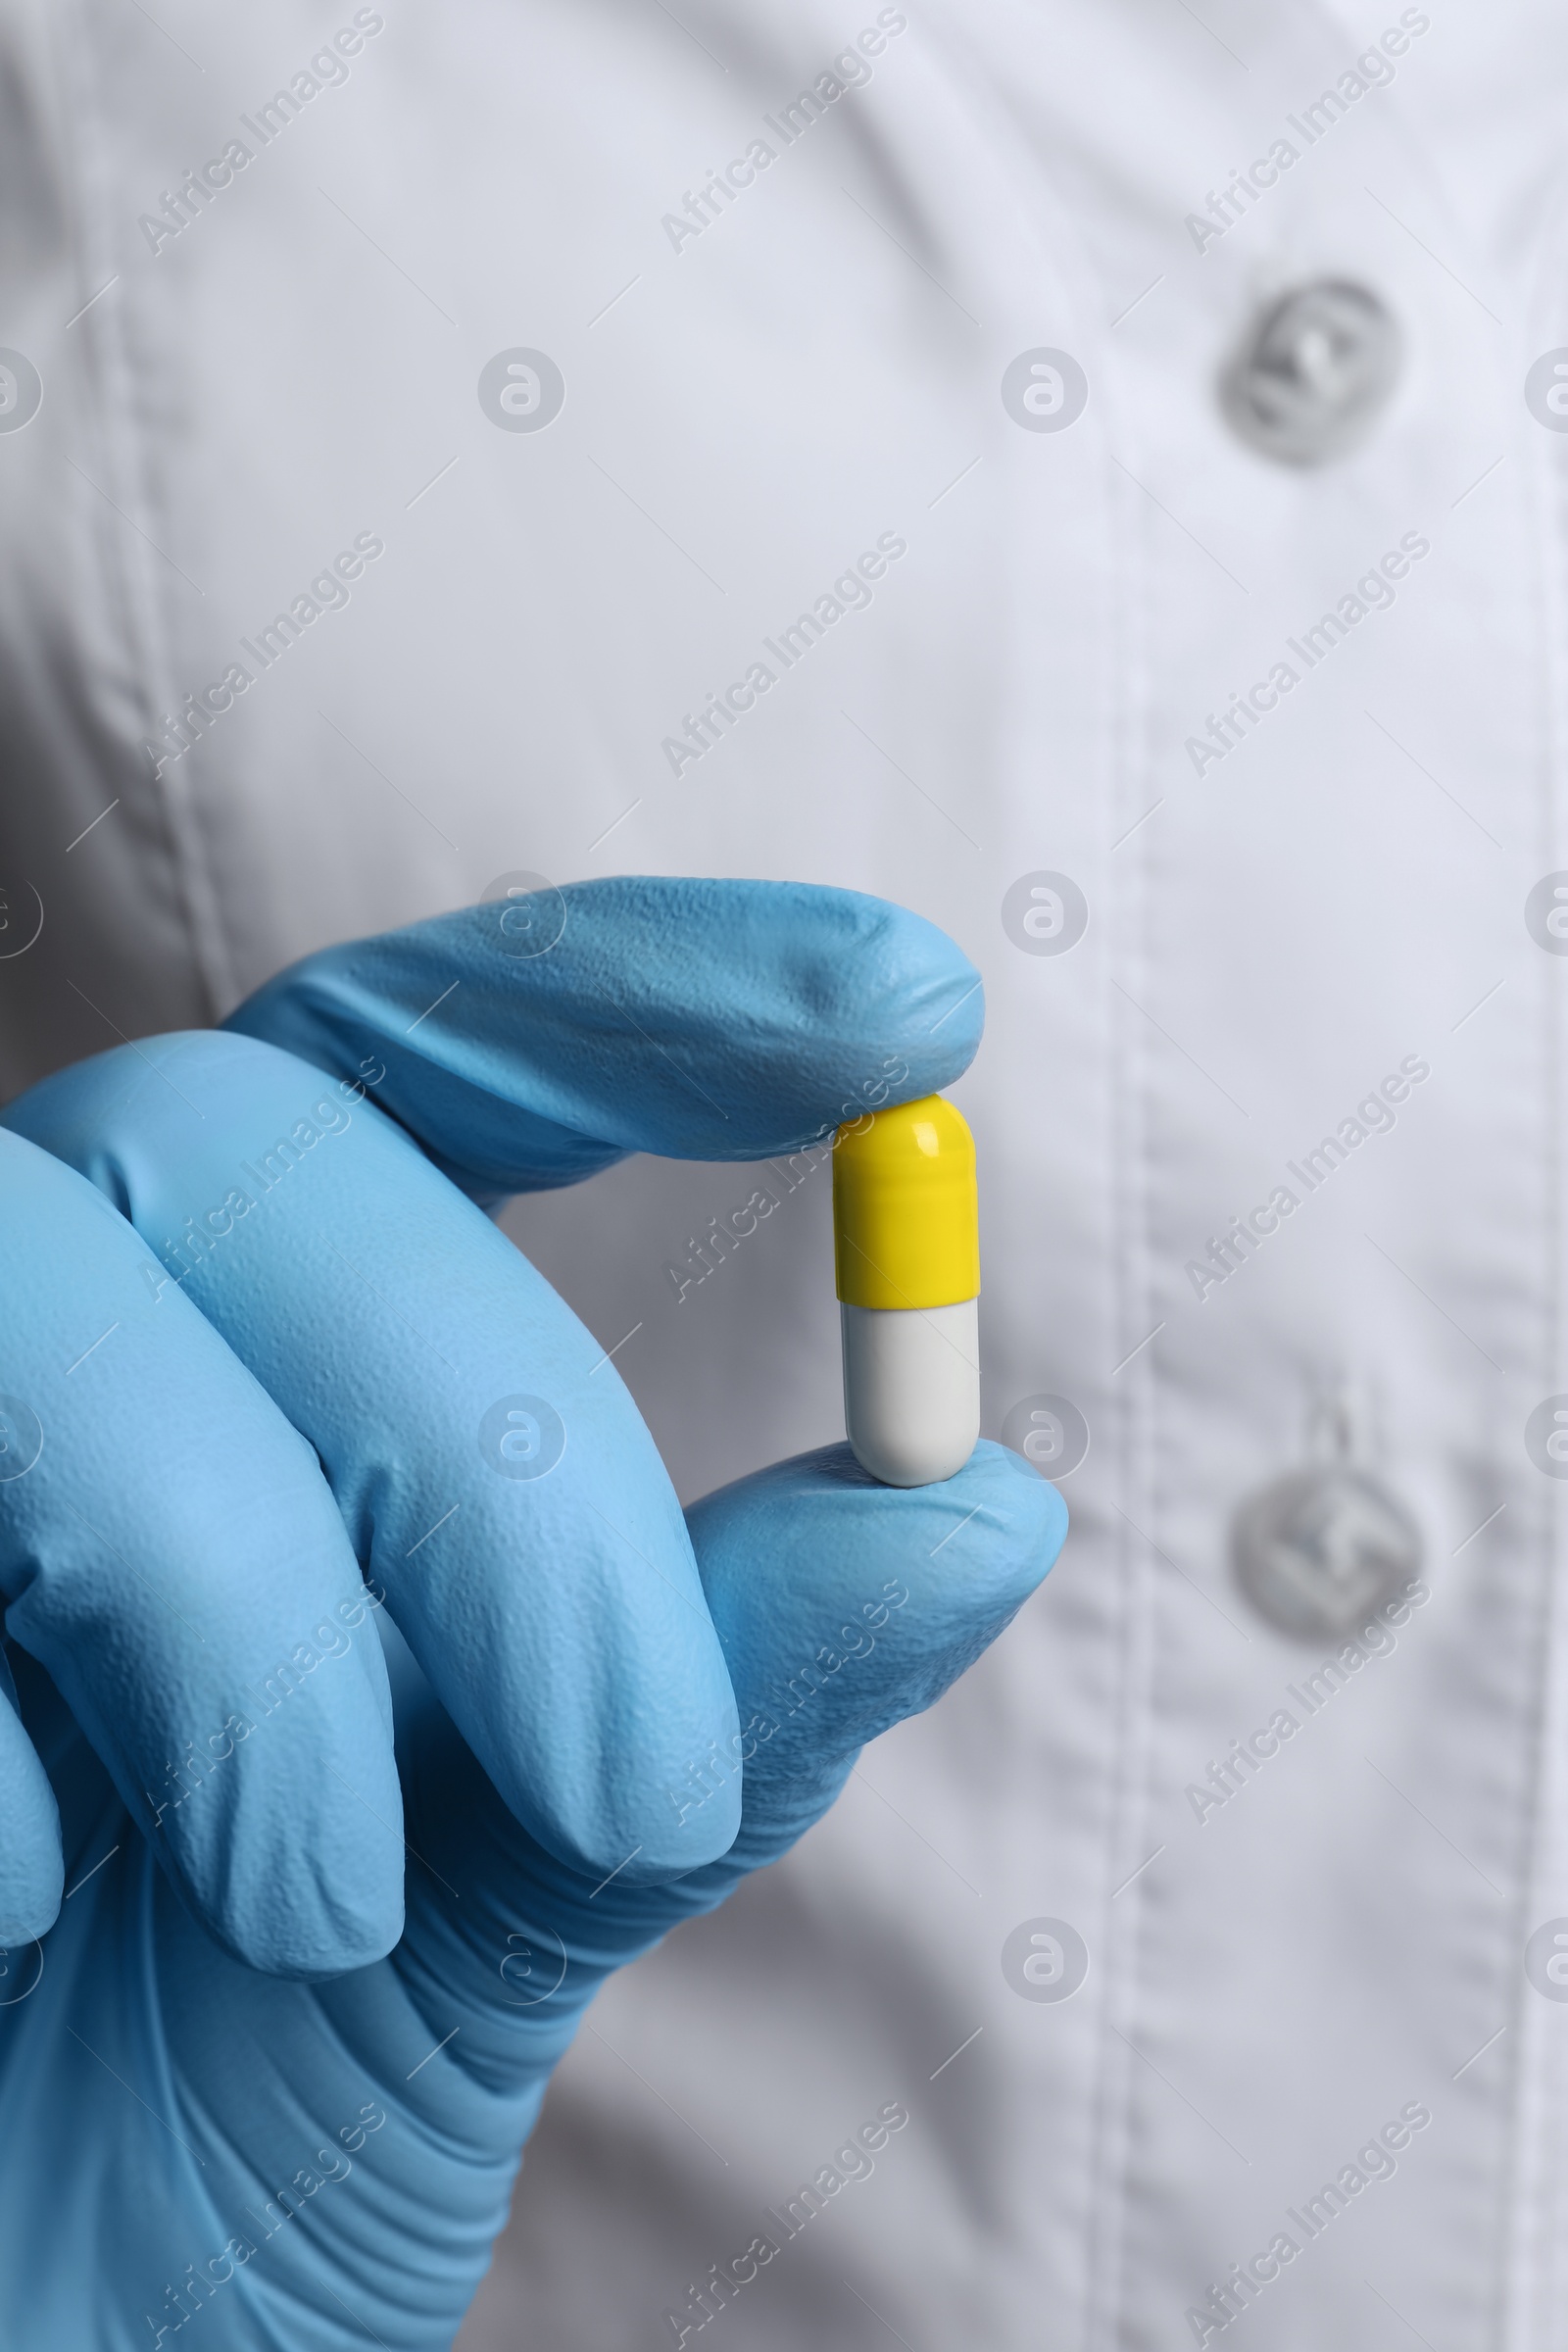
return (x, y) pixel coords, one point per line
(166, 1541)
(572, 1668)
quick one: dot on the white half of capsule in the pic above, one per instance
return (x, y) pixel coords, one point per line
(911, 1390)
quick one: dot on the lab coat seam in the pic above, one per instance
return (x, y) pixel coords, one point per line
(1133, 1314)
(1126, 898)
(136, 587)
(1527, 2256)
(1531, 2262)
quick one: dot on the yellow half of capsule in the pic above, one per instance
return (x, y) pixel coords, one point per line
(905, 1213)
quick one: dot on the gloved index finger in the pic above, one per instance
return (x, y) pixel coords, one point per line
(530, 1042)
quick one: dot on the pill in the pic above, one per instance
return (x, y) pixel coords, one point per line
(906, 1263)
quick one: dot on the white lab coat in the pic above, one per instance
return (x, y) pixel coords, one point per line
(1273, 1978)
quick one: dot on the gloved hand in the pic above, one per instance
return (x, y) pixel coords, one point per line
(318, 2155)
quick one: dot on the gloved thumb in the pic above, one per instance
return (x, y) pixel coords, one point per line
(841, 1606)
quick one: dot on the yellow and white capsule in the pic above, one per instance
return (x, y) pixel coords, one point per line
(906, 1258)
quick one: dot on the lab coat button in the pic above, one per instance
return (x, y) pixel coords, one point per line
(1314, 373)
(1319, 1550)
